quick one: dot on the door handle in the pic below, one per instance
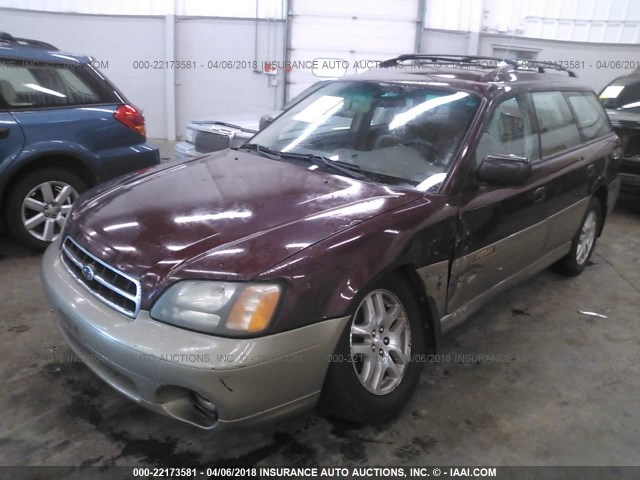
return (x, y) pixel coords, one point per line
(590, 170)
(4, 132)
(539, 194)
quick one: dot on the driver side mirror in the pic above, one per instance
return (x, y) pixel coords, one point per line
(265, 120)
(504, 170)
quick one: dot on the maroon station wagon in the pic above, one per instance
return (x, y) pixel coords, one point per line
(318, 263)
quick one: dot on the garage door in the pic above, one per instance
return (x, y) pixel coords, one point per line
(338, 30)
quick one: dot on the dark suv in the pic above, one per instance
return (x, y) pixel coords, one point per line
(322, 260)
(63, 129)
(621, 99)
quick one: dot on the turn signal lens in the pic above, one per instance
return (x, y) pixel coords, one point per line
(254, 308)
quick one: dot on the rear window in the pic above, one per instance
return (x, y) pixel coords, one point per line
(558, 130)
(590, 116)
(25, 85)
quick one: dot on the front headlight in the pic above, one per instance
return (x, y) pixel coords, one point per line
(218, 307)
(190, 135)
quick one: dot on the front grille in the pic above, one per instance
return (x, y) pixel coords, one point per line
(206, 142)
(118, 290)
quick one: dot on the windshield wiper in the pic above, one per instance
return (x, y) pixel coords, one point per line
(343, 168)
(264, 151)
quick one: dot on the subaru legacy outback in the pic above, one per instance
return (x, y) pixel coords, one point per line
(319, 262)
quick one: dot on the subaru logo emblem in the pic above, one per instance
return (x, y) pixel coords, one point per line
(87, 272)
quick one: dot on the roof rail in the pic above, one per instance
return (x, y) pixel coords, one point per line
(27, 42)
(447, 59)
(479, 62)
(543, 66)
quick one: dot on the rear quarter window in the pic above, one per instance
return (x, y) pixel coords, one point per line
(558, 130)
(590, 116)
(25, 85)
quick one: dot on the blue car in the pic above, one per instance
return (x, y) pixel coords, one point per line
(64, 128)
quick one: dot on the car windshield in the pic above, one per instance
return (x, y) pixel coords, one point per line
(623, 93)
(396, 133)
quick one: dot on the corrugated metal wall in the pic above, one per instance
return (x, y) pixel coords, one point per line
(611, 21)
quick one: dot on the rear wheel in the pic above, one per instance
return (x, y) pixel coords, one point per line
(583, 243)
(39, 204)
(372, 375)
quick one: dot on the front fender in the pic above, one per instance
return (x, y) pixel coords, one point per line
(328, 278)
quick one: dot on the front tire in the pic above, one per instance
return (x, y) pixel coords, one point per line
(38, 205)
(583, 243)
(372, 375)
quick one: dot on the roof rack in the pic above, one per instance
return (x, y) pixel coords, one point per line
(479, 62)
(27, 42)
(445, 59)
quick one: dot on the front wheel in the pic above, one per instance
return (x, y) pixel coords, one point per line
(38, 205)
(372, 375)
(583, 243)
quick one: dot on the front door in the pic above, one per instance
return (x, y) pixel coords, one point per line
(502, 230)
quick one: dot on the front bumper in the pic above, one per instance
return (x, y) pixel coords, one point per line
(186, 151)
(630, 174)
(162, 367)
(630, 181)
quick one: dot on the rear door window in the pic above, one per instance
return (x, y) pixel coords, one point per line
(28, 86)
(590, 117)
(558, 129)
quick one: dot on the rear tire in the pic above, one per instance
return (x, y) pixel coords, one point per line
(584, 242)
(372, 376)
(39, 203)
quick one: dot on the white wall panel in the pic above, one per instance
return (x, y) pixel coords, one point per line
(104, 7)
(611, 21)
(351, 31)
(381, 9)
(231, 8)
(233, 88)
(212, 8)
(449, 14)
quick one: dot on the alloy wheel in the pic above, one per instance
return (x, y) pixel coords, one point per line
(45, 209)
(380, 342)
(587, 237)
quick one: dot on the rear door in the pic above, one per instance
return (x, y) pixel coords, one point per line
(567, 162)
(502, 230)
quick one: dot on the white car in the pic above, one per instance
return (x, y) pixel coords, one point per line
(221, 132)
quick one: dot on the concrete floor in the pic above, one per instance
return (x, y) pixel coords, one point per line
(562, 389)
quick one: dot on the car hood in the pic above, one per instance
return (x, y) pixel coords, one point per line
(620, 118)
(230, 215)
